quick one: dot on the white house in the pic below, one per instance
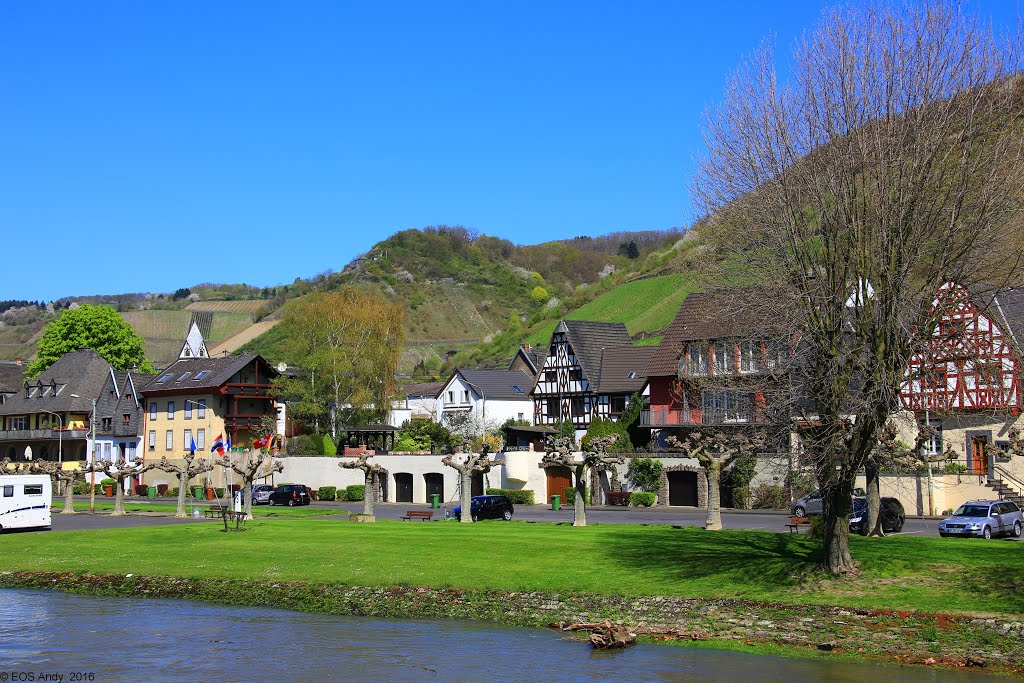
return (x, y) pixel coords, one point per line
(493, 396)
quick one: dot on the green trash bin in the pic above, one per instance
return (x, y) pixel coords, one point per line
(151, 492)
(198, 492)
(556, 502)
(435, 500)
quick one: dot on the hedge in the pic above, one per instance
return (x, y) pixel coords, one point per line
(327, 493)
(642, 499)
(515, 496)
(569, 496)
(618, 498)
(355, 492)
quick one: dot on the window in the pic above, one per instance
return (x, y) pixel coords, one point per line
(931, 437)
(201, 439)
(107, 424)
(617, 405)
(465, 397)
(170, 410)
(104, 451)
(698, 359)
(152, 439)
(163, 379)
(126, 418)
(723, 354)
(776, 353)
(184, 376)
(200, 375)
(720, 406)
(451, 397)
(169, 445)
(551, 407)
(201, 408)
(33, 489)
(187, 441)
(8, 491)
(111, 394)
(152, 410)
(16, 422)
(130, 451)
(576, 375)
(188, 410)
(520, 416)
(576, 407)
(749, 356)
(128, 397)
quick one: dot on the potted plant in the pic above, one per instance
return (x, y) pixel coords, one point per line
(108, 487)
(142, 490)
(161, 490)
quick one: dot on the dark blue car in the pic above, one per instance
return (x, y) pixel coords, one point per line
(486, 507)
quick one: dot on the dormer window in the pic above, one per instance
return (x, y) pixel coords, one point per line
(163, 379)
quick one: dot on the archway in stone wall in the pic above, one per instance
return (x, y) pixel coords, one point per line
(403, 487)
(683, 486)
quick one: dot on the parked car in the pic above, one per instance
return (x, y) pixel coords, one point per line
(261, 494)
(486, 507)
(984, 518)
(811, 503)
(891, 512)
(290, 495)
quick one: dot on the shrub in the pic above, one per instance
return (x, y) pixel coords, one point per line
(618, 498)
(515, 496)
(569, 495)
(327, 492)
(817, 529)
(642, 499)
(355, 492)
(306, 444)
(161, 489)
(107, 482)
(600, 426)
(645, 473)
(219, 492)
(741, 497)
(97, 489)
(329, 447)
(770, 497)
(174, 492)
(954, 468)
(142, 490)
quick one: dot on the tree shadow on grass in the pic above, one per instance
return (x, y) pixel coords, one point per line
(747, 560)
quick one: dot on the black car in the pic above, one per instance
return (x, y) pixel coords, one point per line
(290, 495)
(486, 507)
(891, 512)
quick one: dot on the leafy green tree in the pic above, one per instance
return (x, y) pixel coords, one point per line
(423, 435)
(99, 328)
(645, 473)
(539, 295)
(599, 427)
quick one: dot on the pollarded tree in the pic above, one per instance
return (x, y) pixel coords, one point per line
(191, 467)
(560, 453)
(475, 463)
(716, 452)
(121, 470)
(58, 475)
(371, 471)
(99, 328)
(887, 162)
(250, 466)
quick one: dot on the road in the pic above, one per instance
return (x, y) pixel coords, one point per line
(732, 519)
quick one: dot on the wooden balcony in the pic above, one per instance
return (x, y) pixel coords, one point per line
(42, 434)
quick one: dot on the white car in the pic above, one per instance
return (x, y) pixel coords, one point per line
(261, 494)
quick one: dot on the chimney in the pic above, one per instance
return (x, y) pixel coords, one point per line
(526, 348)
(17, 361)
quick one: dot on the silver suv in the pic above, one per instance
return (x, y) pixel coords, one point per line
(261, 494)
(984, 518)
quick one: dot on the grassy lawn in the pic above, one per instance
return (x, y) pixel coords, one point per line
(169, 508)
(904, 573)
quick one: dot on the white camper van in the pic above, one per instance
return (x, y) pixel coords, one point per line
(25, 501)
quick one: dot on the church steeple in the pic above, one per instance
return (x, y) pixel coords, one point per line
(194, 346)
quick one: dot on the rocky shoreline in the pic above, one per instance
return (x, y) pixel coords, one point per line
(882, 635)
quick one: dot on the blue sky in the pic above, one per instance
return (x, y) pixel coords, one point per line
(149, 146)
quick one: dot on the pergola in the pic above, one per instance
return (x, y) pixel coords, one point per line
(379, 438)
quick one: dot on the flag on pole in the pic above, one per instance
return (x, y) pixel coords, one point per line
(218, 445)
(262, 442)
(227, 446)
(192, 446)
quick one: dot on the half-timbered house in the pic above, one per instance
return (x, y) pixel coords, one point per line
(966, 381)
(590, 370)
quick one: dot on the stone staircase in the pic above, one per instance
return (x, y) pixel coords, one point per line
(1005, 491)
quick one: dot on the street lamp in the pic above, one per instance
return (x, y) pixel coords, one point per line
(92, 460)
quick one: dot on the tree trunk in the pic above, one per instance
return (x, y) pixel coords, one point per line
(69, 498)
(119, 498)
(182, 483)
(713, 473)
(247, 499)
(871, 525)
(369, 491)
(465, 495)
(836, 513)
(580, 507)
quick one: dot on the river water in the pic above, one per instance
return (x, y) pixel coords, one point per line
(122, 639)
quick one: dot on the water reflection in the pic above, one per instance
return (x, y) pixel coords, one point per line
(174, 640)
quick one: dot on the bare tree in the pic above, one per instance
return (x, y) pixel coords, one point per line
(54, 470)
(888, 163)
(371, 471)
(191, 467)
(716, 452)
(121, 470)
(250, 466)
(475, 463)
(560, 453)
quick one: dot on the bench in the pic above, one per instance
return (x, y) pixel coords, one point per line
(425, 515)
(796, 522)
(215, 511)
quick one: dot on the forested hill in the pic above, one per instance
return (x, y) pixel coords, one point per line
(467, 292)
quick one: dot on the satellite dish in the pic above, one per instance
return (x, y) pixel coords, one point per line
(281, 367)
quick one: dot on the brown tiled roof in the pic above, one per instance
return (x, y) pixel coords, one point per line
(508, 384)
(721, 314)
(219, 370)
(80, 372)
(428, 389)
(12, 376)
(623, 370)
(588, 339)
